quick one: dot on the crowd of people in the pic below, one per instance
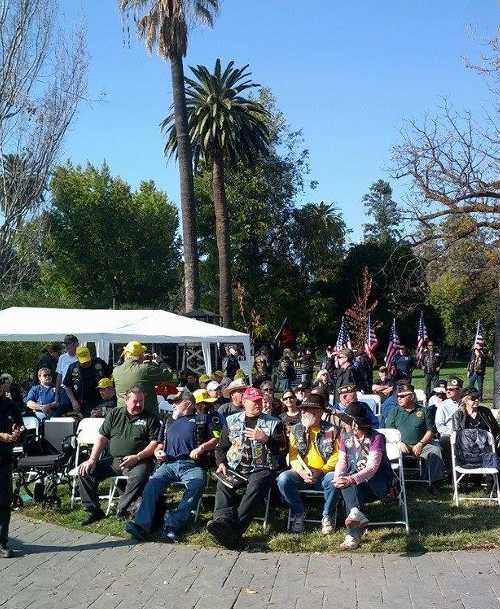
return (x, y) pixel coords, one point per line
(293, 428)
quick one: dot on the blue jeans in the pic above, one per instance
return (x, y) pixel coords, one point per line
(476, 380)
(357, 495)
(186, 471)
(290, 483)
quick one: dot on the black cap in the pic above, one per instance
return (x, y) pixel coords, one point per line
(356, 413)
(313, 400)
(470, 393)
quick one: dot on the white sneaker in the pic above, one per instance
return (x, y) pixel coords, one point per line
(297, 524)
(350, 543)
(326, 525)
(356, 519)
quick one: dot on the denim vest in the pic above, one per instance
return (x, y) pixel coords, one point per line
(325, 440)
(261, 455)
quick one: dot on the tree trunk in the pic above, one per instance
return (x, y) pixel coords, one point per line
(496, 360)
(223, 246)
(184, 153)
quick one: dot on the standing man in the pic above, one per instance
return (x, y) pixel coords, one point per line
(48, 359)
(251, 444)
(230, 363)
(70, 343)
(431, 365)
(403, 365)
(11, 427)
(345, 374)
(136, 371)
(416, 427)
(81, 380)
(131, 435)
(477, 370)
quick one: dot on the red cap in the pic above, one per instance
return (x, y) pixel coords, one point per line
(252, 393)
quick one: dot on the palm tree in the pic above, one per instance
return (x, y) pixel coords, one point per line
(165, 26)
(225, 128)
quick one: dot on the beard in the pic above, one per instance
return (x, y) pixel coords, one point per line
(308, 420)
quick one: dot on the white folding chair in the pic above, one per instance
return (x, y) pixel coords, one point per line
(86, 435)
(421, 397)
(496, 413)
(477, 471)
(372, 399)
(113, 491)
(393, 451)
(267, 506)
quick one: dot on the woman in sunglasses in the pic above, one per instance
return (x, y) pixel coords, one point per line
(291, 416)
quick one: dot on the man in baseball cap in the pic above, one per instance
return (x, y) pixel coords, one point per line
(106, 390)
(313, 455)
(252, 446)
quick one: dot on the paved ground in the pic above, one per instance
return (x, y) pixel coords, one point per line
(65, 569)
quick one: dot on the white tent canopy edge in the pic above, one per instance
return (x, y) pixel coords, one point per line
(108, 326)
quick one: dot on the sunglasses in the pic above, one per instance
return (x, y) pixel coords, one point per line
(403, 395)
(288, 397)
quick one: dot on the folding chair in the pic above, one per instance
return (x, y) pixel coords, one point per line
(308, 493)
(372, 399)
(419, 465)
(393, 451)
(477, 471)
(113, 491)
(267, 504)
(86, 435)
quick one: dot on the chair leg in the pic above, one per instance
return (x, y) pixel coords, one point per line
(266, 513)
(111, 495)
(289, 522)
(73, 493)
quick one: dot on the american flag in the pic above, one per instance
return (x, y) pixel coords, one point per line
(371, 342)
(393, 345)
(343, 339)
(479, 340)
(422, 338)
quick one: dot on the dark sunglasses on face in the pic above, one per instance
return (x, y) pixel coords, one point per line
(288, 397)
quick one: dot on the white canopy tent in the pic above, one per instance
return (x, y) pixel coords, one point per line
(107, 326)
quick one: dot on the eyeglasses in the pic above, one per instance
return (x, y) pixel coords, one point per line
(288, 397)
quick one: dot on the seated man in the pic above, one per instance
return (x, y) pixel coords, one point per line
(185, 442)
(204, 403)
(444, 416)
(41, 398)
(313, 454)
(251, 445)
(215, 391)
(416, 427)
(106, 389)
(270, 405)
(347, 395)
(363, 471)
(131, 435)
(384, 386)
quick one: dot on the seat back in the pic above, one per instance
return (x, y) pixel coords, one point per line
(421, 397)
(56, 429)
(88, 430)
(369, 396)
(392, 440)
(32, 423)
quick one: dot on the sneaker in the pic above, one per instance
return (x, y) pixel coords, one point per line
(168, 535)
(93, 517)
(350, 543)
(135, 531)
(297, 524)
(6, 552)
(356, 519)
(224, 533)
(326, 525)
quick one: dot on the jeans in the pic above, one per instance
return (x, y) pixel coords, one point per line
(476, 380)
(357, 495)
(290, 483)
(431, 380)
(186, 471)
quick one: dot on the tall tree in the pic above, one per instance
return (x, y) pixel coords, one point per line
(380, 205)
(42, 80)
(166, 26)
(226, 128)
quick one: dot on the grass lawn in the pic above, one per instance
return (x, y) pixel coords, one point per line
(436, 525)
(460, 370)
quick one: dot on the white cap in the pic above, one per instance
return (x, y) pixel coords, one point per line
(213, 386)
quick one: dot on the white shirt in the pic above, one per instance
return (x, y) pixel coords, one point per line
(444, 414)
(63, 363)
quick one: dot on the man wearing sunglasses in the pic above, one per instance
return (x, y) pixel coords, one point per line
(41, 398)
(417, 438)
(444, 416)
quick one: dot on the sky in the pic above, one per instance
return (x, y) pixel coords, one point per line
(348, 73)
